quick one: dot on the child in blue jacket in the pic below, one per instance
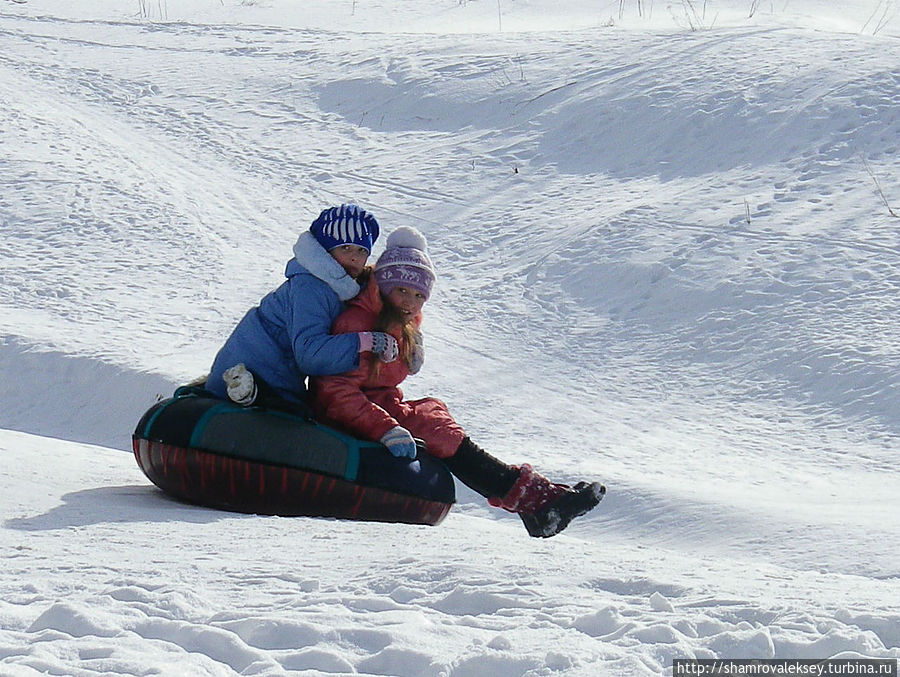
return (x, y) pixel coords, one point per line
(287, 336)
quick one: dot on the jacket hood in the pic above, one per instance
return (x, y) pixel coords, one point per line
(310, 257)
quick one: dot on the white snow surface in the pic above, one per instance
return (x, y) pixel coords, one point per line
(667, 261)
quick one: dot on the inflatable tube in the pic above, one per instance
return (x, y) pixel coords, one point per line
(209, 452)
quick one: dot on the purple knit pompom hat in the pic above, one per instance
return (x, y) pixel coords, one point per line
(405, 263)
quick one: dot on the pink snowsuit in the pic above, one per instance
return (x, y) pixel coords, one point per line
(368, 406)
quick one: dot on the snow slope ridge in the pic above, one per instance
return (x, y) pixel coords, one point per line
(77, 397)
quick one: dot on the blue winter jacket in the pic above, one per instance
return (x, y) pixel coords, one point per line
(287, 336)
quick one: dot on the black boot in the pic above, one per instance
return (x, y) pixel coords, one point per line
(546, 507)
(555, 515)
(480, 471)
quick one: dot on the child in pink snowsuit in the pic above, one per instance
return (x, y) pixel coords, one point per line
(369, 404)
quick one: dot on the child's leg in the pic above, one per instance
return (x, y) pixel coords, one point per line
(546, 508)
(430, 421)
(268, 398)
(480, 471)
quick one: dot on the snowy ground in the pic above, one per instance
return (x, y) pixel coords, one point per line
(667, 261)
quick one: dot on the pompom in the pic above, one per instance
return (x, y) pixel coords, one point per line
(408, 237)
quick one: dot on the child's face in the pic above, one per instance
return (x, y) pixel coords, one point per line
(351, 257)
(407, 301)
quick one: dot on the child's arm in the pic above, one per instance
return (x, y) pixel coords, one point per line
(315, 349)
(341, 398)
(342, 401)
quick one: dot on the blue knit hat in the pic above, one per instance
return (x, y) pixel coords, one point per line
(347, 224)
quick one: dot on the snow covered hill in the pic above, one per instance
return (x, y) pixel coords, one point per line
(667, 261)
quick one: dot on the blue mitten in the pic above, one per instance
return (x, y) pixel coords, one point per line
(399, 442)
(418, 353)
(381, 344)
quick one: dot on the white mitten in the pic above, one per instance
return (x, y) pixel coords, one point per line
(240, 385)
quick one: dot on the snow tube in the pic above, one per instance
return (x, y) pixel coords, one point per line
(210, 452)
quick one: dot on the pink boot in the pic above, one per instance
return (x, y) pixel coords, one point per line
(546, 508)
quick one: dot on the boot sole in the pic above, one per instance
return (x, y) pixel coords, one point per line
(552, 519)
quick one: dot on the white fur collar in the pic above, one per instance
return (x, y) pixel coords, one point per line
(313, 257)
